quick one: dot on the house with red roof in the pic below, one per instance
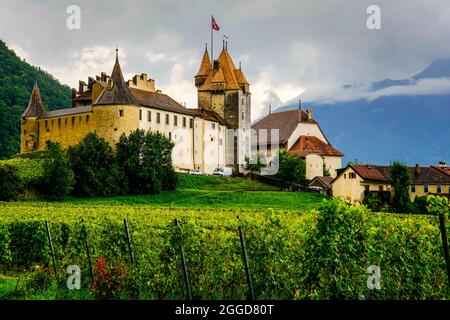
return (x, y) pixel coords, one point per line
(356, 182)
(300, 134)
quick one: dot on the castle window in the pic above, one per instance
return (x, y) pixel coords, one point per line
(175, 120)
(438, 188)
(425, 188)
(158, 118)
(184, 122)
(59, 122)
(73, 121)
(149, 116)
(87, 118)
(191, 123)
(352, 175)
(243, 115)
(46, 124)
(170, 135)
(140, 114)
(167, 119)
(65, 122)
(121, 113)
(79, 119)
(213, 126)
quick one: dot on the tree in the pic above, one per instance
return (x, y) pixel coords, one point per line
(291, 168)
(146, 161)
(97, 173)
(11, 184)
(57, 179)
(326, 172)
(253, 167)
(399, 179)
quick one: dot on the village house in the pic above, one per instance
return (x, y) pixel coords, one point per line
(355, 182)
(301, 135)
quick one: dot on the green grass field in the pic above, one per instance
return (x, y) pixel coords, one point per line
(211, 192)
(206, 199)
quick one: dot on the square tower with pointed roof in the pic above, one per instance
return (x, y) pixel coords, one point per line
(223, 88)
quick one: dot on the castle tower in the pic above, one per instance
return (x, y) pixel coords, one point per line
(29, 126)
(224, 89)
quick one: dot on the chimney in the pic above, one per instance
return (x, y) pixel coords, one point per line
(416, 169)
(442, 163)
(270, 109)
(309, 113)
(299, 110)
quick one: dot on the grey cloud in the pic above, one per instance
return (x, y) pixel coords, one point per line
(286, 45)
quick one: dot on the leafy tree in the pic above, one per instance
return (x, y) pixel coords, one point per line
(326, 172)
(11, 184)
(291, 168)
(95, 166)
(57, 179)
(146, 161)
(399, 179)
(254, 168)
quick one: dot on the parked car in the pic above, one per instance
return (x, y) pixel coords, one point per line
(223, 172)
(195, 171)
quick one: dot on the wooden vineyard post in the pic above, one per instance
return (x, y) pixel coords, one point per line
(445, 245)
(127, 233)
(185, 272)
(246, 264)
(88, 252)
(49, 236)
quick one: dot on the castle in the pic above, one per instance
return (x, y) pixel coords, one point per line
(111, 106)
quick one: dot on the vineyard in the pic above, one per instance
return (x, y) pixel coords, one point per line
(292, 254)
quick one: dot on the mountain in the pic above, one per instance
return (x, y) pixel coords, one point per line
(16, 81)
(414, 129)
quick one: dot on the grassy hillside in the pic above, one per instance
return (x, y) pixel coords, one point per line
(16, 81)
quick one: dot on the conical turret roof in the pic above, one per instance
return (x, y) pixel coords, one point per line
(205, 66)
(35, 106)
(117, 91)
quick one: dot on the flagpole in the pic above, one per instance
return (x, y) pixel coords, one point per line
(212, 44)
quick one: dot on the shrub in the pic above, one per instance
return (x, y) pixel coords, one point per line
(57, 178)
(95, 167)
(291, 168)
(11, 185)
(146, 161)
(108, 280)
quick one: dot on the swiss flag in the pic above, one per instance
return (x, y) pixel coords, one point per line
(214, 25)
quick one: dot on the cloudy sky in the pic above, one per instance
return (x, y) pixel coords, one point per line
(306, 48)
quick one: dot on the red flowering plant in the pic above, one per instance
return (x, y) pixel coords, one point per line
(108, 279)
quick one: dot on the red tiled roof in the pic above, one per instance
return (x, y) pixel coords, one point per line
(311, 144)
(418, 175)
(443, 169)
